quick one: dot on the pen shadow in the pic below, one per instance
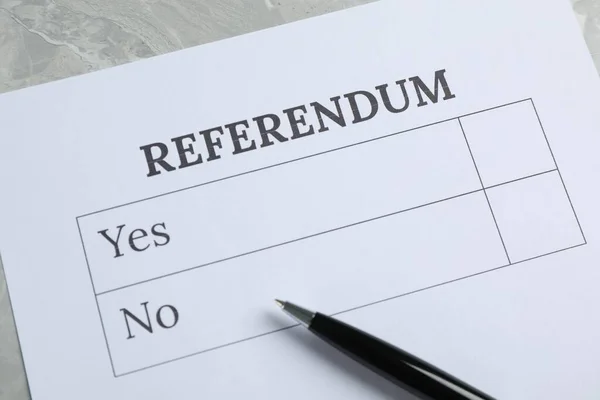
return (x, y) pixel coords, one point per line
(330, 355)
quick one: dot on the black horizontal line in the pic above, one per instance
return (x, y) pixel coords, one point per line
(457, 279)
(207, 350)
(521, 179)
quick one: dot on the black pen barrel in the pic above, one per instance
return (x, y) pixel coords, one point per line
(413, 374)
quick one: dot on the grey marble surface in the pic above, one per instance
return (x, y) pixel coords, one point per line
(46, 40)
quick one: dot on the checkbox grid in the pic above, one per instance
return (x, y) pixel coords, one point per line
(487, 195)
(527, 196)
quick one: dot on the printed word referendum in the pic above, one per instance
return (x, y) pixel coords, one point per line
(291, 124)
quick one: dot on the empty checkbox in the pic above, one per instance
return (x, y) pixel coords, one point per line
(507, 143)
(535, 217)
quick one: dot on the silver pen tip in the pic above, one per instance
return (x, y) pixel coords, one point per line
(280, 303)
(298, 313)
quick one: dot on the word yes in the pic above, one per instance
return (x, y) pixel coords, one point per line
(138, 239)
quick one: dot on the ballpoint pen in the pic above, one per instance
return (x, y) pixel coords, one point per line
(402, 368)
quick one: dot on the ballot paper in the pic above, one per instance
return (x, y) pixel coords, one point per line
(424, 170)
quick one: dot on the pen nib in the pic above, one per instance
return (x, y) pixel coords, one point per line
(300, 314)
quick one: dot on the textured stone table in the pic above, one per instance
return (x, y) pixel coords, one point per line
(46, 40)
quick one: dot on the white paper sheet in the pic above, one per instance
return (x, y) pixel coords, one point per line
(424, 170)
